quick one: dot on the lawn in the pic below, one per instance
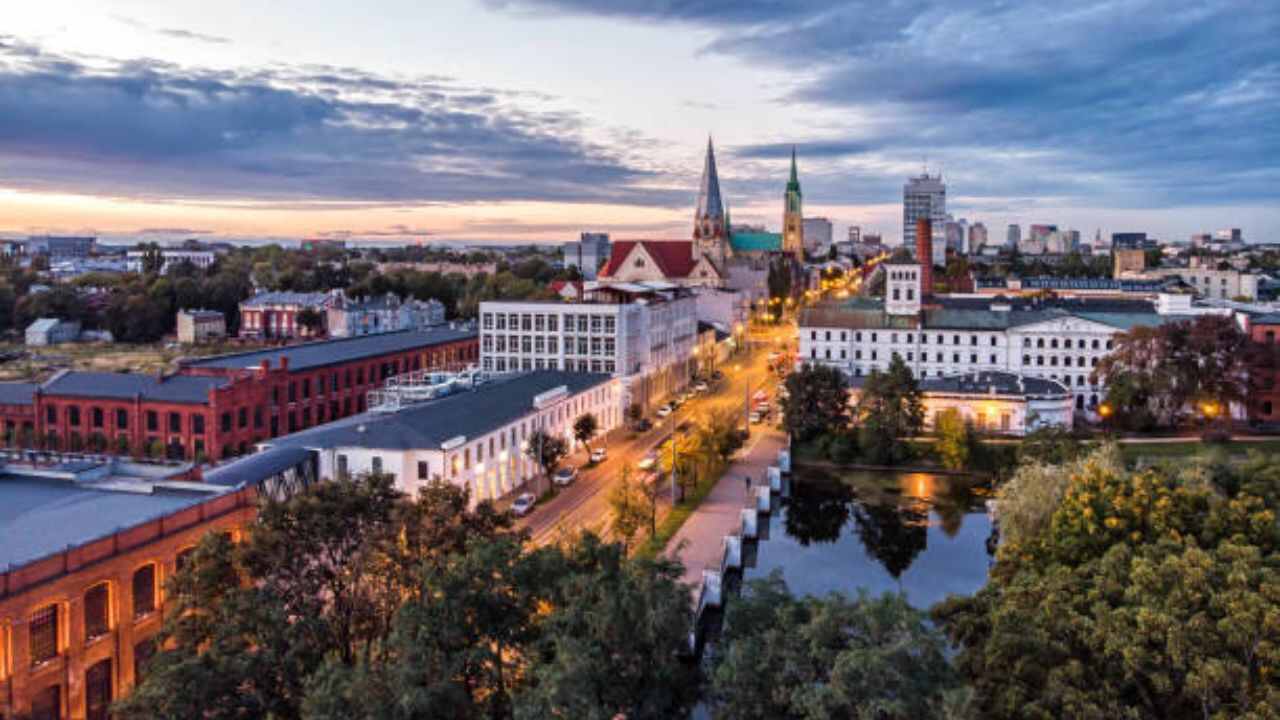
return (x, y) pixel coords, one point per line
(1159, 451)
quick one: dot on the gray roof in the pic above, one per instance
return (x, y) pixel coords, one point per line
(257, 467)
(43, 324)
(332, 352)
(17, 393)
(988, 382)
(286, 298)
(976, 314)
(125, 386)
(426, 425)
(40, 517)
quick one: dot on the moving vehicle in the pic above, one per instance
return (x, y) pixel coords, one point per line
(598, 455)
(565, 476)
(523, 504)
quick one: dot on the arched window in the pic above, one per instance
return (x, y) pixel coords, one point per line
(97, 611)
(144, 590)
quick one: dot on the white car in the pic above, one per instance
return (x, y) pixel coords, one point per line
(700, 387)
(755, 417)
(598, 455)
(565, 476)
(664, 411)
(648, 462)
(523, 504)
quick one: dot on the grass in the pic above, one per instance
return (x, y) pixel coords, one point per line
(675, 519)
(41, 362)
(1156, 451)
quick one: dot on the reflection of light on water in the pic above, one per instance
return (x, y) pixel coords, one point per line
(918, 486)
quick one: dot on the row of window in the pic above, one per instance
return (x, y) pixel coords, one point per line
(503, 364)
(45, 629)
(548, 345)
(940, 339)
(539, 322)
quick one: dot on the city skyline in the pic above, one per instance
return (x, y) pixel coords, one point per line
(532, 120)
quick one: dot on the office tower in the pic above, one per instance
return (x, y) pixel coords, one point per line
(924, 197)
(1013, 236)
(855, 233)
(977, 237)
(817, 235)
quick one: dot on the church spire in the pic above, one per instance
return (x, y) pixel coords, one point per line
(709, 203)
(793, 185)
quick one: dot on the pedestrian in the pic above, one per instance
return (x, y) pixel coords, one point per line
(746, 484)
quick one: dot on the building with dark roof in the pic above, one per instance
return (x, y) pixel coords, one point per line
(277, 314)
(216, 407)
(85, 550)
(474, 437)
(995, 402)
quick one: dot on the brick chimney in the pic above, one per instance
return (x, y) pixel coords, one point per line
(924, 255)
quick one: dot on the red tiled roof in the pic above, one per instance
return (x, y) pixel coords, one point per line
(558, 286)
(674, 257)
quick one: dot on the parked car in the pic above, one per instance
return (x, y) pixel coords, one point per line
(523, 504)
(701, 386)
(717, 375)
(648, 462)
(665, 410)
(755, 417)
(598, 455)
(565, 476)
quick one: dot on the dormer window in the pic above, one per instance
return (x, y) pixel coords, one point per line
(639, 262)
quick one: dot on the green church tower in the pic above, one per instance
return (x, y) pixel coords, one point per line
(793, 215)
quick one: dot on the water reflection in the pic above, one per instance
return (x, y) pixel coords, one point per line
(922, 534)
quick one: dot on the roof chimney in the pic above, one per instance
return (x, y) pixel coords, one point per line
(924, 255)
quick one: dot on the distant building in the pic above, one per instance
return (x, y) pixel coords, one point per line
(1041, 232)
(872, 239)
(61, 246)
(924, 197)
(348, 317)
(275, 314)
(977, 237)
(1232, 235)
(817, 235)
(1013, 236)
(1131, 241)
(313, 244)
(52, 331)
(1201, 239)
(567, 289)
(197, 326)
(202, 259)
(855, 234)
(956, 233)
(588, 254)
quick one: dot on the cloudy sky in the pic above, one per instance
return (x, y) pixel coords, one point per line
(527, 120)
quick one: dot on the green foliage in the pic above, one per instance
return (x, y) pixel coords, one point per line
(1128, 594)
(628, 508)
(817, 402)
(955, 439)
(546, 449)
(834, 657)
(1050, 445)
(889, 409)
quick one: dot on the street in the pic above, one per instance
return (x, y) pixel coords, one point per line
(584, 505)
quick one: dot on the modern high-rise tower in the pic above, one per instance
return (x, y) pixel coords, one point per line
(793, 215)
(924, 197)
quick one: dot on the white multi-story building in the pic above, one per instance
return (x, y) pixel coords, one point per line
(588, 254)
(476, 438)
(202, 259)
(352, 317)
(643, 333)
(1062, 341)
(924, 197)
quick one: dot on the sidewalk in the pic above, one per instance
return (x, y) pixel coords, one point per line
(698, 543)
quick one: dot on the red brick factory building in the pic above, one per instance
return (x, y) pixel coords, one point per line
(219, 406)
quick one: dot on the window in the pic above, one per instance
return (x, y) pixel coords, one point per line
(306, 388)
(51, 414)
(973, 340)
(73, 415)
(96, 611)
(142, 654)
(424, 470)
(97, 691)
(342, 465)
(122, 420)
(43, 631)
(47, 704)
(376, 464)
(226, 422)
(97, 417)
(175, 422)
(144, 590)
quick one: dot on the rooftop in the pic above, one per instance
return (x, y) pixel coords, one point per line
(427, 425)
(332, 352)
(992, 382)
(286, 298)
(17, 393)
(755, 241)
(126, 386)
(45, 509)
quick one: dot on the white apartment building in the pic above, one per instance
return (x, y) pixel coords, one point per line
(1062, 341)
(202, 259)
(474, 438)
(643, 333)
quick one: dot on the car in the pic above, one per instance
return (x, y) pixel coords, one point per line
(701, 386)
(755, 417)
(717, 375)
(665, 410)
(565, 476)
(598, 455)
(648, 462)
(685, 397)
(523, 504)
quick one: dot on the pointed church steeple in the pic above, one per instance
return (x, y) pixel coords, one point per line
(793, 185)
(709, 203)
(793, 214)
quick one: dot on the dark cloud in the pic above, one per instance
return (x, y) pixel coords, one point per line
(181, 34)
(1138, 103)
(154, 130)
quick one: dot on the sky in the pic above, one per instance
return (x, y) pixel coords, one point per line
(534, 120)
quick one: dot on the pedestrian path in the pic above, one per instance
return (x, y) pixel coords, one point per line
(697, 544)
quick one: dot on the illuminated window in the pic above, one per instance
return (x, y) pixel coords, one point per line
(144, 590)
(43, 630)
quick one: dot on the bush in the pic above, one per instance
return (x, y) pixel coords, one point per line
(1215, 437)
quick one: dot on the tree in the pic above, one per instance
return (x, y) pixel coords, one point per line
(627, 506)
(312, 320)
(1128, 593)
(890, 408)
(152, 258)
(866, 658)
(817, 401)
(546, 450)
(584, 428)
(634, 413)
(954, 439)
(611, 645)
